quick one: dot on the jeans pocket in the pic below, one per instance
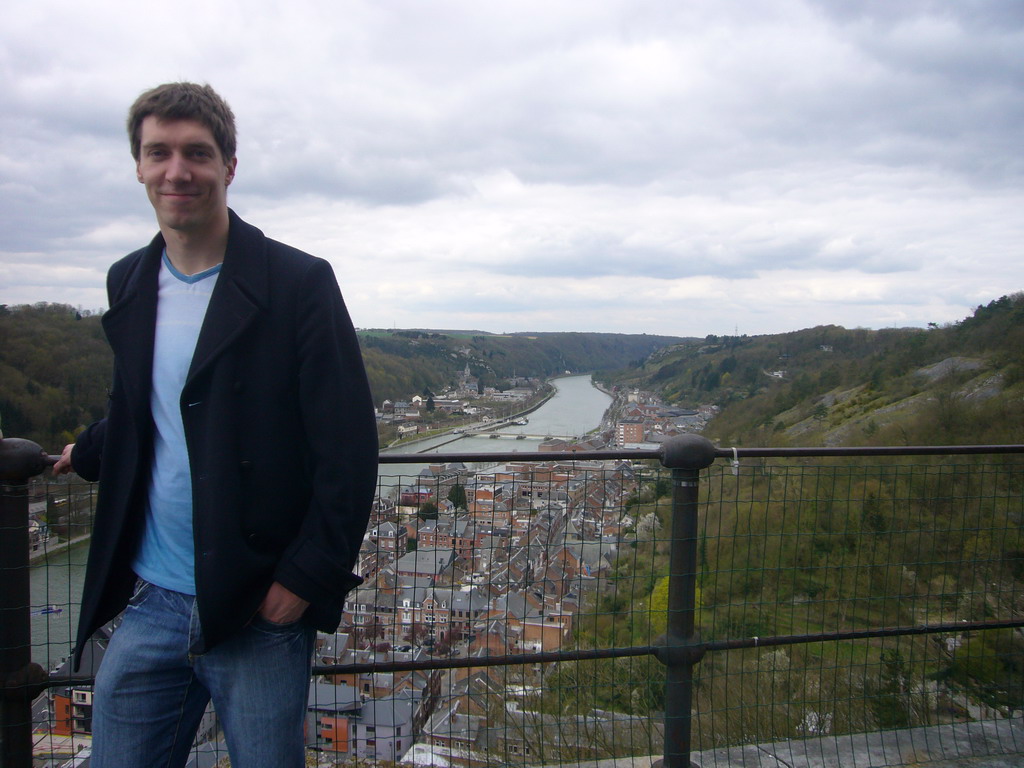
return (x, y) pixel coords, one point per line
(263, 625)
(139, 593)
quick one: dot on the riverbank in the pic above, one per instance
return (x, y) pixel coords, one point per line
(483, 426)
(48, 550)
(571, 409)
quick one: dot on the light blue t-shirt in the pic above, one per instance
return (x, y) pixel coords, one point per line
(166, 555)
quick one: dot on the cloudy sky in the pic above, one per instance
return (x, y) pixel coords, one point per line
(663, 166)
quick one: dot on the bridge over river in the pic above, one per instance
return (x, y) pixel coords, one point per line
(484, 432)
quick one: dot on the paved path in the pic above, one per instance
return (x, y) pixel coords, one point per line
(990, 744)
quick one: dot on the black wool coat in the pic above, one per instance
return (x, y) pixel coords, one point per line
(280, 430)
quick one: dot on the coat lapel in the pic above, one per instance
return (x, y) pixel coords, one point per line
(240, 296)
(130, 324)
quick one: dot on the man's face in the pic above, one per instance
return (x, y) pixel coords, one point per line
(185, 175)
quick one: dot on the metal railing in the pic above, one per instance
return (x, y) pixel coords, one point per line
(788, 594)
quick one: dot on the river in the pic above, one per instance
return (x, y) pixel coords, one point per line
(577, 407)
(56, 581)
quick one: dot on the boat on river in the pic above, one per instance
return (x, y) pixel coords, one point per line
(47, 610)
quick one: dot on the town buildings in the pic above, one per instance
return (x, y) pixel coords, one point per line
(502, 567)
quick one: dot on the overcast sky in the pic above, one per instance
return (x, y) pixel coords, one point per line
(658, 166)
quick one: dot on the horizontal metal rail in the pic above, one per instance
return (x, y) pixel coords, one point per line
(658, 454)
(554, 657)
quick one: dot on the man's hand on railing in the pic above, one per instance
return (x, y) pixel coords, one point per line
(63, 465)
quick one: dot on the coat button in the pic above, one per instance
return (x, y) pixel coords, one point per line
(253, 539)
(246, 466)
(237, 386)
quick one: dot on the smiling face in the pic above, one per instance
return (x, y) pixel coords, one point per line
(185, 175)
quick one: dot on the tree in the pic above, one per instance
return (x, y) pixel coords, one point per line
(427, 511)
(457, 496)
(890, 697)
(374, 630)
(648, 526)
(443, 646)
(416, 633)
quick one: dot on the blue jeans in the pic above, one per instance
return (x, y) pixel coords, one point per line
(151, 691)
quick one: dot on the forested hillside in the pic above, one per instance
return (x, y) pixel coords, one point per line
(403, 362)
(962, 383)
(55, 364)
(55, 368)
(825, 385)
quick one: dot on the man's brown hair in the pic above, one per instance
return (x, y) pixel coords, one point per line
(184, 101)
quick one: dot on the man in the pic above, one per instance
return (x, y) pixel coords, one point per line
(236, 464)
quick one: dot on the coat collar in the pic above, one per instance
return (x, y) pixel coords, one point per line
(241, 294)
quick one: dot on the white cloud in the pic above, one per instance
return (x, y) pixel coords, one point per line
(643, 166)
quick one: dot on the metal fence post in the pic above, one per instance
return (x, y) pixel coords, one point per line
(686, 455)
(19, 677)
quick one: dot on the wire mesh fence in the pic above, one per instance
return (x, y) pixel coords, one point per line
(920, 555)
(518, 614)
